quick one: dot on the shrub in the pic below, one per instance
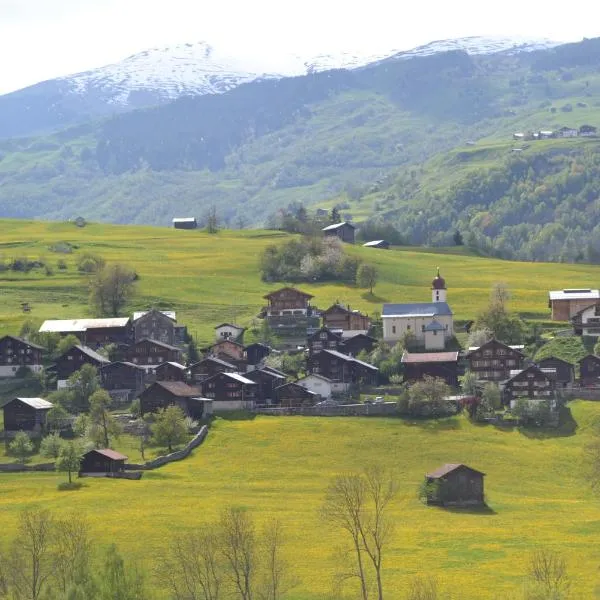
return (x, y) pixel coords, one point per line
(23, 372)
(21, 446)
(61, 265)
(90, 263)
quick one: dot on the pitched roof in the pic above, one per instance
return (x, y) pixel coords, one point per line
(173, 364)
(295, 385)
(37, 403)
(92, 354)
(590, 356)
(287, 288)
(428, 357)
(448, 468)
(121, 362)
(579, 313)
(19, 339)
(157, 343)
(347, 358)
(239, 377)
(230, 325)
(184, 219)
(434, 326)
(177, 388)
(574, 294)
(517, 348)
(314, 375)
(171, 314)
(112, 454)
(337, 226)
(518, 372)
(375, 243)
(416, 309)
(216, 360)
(549, 358)
(272, 370)
(81, 325)
(271, 373)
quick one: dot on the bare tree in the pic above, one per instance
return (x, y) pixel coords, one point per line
(423, 588)
(239, 549)
(548, 574)
(73, 551)
(276, 581)
(212, 220)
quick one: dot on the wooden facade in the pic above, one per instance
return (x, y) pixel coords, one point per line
(122, 376)
(167, 393)
(323, 339)
(589, 370)
(443, 365)
(170, 371)
(344, 231)
(256, 353)
(531, 382)
(342, 317)
(230, 387)
(494, 361)
(341, 367)
(207, 367)
(287, 301)
(565, 304)
(587, 321)
(455, 485)
(102, 460)
(25, 414)
(74, 358)
(358, 343)
(152, 352)
(154, 325)
(293, 395)
(565, 371)
(16, 352)
(266, 381)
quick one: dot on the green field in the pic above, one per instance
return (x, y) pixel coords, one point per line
(535, 483)
(209, 279)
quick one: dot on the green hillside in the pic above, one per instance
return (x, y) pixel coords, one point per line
(535, 483)
(211, 278)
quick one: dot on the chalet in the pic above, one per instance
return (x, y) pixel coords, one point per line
(587, 131)
(357, 344)
(288, 301)
(341, 367)
(73, 359)
(266, 381)
(256, 353)
(432, 364)
(167, 393)
(185, 223)
(210, 366)
(16, 352)
(546, 134)
(152, 352)
(92, 332)
(494, 360)
(102, 460)
(294, 395)
(380, 244)
(455, 485)
(26, 414)
(589, 370)
(587, 321)
(154, 325)
(227, 331)
(122, 377)
(321, 386)
(342, 317)
(230, 391)
(531, 382)
(226, 349)
(322, 339)
(170, 371)
(344, 231)
(564, 372)
(567, 132)
(565, 304)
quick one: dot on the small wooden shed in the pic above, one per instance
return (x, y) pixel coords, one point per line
(455, 485)
(102, 460)
(25, 414)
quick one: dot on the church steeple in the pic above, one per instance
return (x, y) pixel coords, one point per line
(438, 288)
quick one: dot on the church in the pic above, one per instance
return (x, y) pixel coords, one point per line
(430, 322)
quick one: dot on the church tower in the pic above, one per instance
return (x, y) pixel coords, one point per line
(438, 288)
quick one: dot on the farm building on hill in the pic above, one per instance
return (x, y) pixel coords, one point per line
(92, 332)
(433, 364)
(166, 393)
(565, 304)
(26, 414)
(154, 325)
(103, 460)
(185, 223)
(338, 316)
(455, 485)
(494, 360)
(344, 231)
(381, 244)
(72, 360)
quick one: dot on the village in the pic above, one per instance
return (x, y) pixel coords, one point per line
(150, 365)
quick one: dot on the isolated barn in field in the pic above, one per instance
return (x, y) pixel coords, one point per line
(455, 485)
(102, 460)
(185, 223)
(344, 231)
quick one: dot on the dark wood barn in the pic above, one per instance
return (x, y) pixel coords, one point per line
(152, 352)
(341, 367)
(185, 223)
(74, 358)
(233, 388)
(432, 364)
(266, 381)
(26, 414)
(344, 231)
(294, 395)
(531, 382)
(122, 376)
(92, 332)
(589, 370)
(16, 352)
(338, 316)
(170, 371)
(493, 361)
(166, 393)
(565, 371)
(154, 325)
(358, 343)
(102, 460)
(323, 339)
(256, 353)
(455, 485)
(207, 367)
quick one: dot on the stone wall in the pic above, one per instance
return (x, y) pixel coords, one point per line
(18, 468)
(340, 410)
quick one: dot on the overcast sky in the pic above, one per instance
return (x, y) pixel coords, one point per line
(42, 39)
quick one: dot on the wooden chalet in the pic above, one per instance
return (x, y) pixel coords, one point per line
(26, 414)
(565, 371)
(589, 371)
(92, 332)
(341, 367)
(531, 382)
(152, 352)
(171, 371)
(344, 231)
(494, 360)
(256, 353)
(207, 367)
(266, 381)
(287, 301)
(587, 321)
(166, 393)
(380, 244)
(16, 352)
(358, 343)
(338, 316)
(102, 460)
(230, 391)
(292, 395)
(431, 364)
(323, 339)
(74, 358)
(154, 325)
(122, 375)
(226, 349)
(455, 485)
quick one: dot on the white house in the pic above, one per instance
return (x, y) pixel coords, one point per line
(322, 386)
(431, 323)
(227, 331)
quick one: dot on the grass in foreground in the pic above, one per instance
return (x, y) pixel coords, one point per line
(280, 467)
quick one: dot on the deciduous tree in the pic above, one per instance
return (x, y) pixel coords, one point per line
(21, 446)
(69, 459)
(111, 288)
(51, 445)
(366, 276)
(169, 428)
(103, 426)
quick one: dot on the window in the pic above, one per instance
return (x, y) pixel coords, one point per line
(435, 333)
(393, 329)
(422, 327)
(408, 328)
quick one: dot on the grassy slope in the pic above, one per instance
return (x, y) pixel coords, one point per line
(211, 278)
(280, 467)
